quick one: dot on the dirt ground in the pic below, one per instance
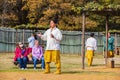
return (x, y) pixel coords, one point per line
(97, 73)
(71, 70)
(39, 76)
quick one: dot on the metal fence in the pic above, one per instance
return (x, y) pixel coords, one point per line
(71, 43)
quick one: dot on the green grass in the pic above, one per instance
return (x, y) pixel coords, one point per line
(70, 64)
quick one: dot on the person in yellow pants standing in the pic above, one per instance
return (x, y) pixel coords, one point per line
(53, 36)
(91, 46)
(110, 53)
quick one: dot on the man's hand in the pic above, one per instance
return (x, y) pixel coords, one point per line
(39, 58)
(22, 56)
(52, 36)
(39, 34)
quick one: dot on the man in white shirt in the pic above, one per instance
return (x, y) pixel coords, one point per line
(91, 46)
(31, 40)
(53, 36)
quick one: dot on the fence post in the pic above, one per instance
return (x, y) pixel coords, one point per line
(16, 35)
(23, 36)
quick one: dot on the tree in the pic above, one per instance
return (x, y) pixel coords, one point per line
(38, 13)
(95, 9)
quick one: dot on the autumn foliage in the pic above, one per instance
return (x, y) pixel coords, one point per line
(37, 14)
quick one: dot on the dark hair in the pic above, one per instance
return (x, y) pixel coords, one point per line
(35, 36)
(54, 20)
(17, 44)
(33, 33)
(92, 35)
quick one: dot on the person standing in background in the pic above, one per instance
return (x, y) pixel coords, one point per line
(110, 46)
(91, 46)
(31, 41)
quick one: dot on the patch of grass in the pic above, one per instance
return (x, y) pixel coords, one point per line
(70, 64)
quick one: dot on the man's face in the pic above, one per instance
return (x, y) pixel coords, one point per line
(108, 34)
(52, 24)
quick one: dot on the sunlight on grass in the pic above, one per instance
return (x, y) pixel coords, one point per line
(69, 64)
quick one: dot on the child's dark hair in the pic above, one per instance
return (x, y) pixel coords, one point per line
(92, 35)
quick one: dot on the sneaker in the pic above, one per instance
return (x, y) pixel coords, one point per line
(22, 68)
(25, 68)
(34, 68)
(43, 68)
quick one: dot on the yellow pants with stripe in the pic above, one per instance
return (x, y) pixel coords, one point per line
(52, 56)
(110, 54)
(89, 56)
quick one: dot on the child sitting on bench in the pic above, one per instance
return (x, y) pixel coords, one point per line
(21, 55)
(37, 54)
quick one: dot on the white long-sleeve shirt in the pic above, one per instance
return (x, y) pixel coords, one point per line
(31, 41)
(91, 44)
(52, 43)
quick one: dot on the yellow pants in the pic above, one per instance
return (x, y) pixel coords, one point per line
(52, 56)
(110, 54)
(89, 56)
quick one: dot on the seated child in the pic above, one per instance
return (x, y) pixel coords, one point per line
(37, 54)
(21, 55)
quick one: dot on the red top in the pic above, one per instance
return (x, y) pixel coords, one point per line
(18, 53)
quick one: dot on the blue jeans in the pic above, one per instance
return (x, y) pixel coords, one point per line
(22, 62)
(42, 62)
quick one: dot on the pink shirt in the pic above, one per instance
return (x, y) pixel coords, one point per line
(37, 52)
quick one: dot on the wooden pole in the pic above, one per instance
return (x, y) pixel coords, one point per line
(107, 18)
(83, 40)
(115, 43)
